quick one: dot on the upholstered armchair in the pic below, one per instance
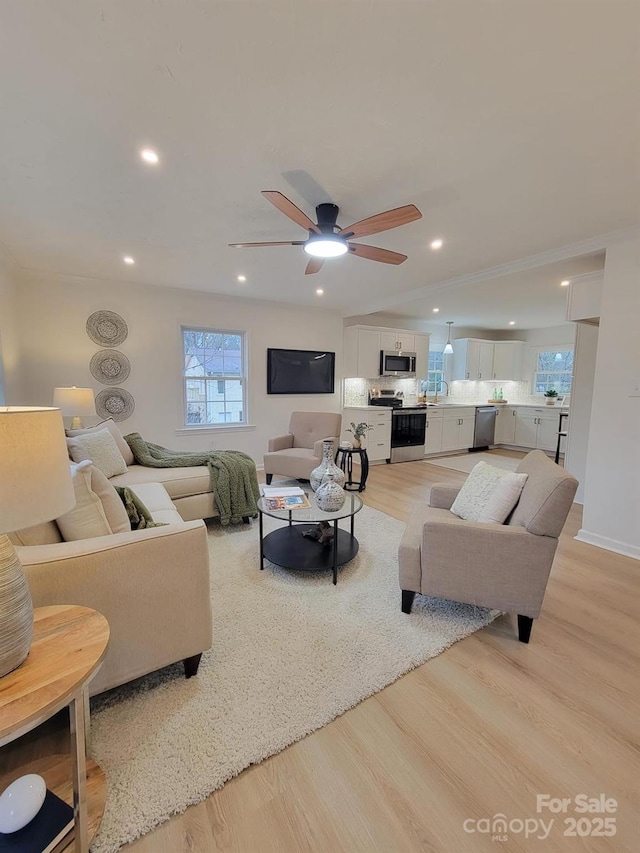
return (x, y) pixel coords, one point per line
(298, 452)
(501, 566)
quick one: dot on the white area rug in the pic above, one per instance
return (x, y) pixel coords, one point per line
(290, 653)
(466, 461)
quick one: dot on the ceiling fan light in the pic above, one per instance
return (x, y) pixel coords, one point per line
(326, 247)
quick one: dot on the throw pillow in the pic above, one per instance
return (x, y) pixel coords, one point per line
(138, 516)
(488, 494)
(109, 424)
(88, 517)
(101, 449)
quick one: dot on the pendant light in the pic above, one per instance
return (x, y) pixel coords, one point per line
(448, 348)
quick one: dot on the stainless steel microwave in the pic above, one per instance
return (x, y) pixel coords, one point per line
(397, 363)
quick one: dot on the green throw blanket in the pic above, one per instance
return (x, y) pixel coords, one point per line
(234, 481)
(139, 516)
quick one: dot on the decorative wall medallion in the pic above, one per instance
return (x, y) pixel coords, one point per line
(115, 403)
(107, 328)
(110, 366)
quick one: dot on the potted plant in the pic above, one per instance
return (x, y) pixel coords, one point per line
(551, 396)
(358, 431)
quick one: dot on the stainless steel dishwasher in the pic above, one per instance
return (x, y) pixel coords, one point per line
(485, 429)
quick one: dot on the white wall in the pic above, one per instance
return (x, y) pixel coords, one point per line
(10, 385)
(575, 460)
(56, 351)
(611, 516)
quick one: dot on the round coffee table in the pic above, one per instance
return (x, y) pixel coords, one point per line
(288, 547)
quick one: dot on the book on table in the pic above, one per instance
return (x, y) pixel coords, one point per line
(287, 502)
(42, 834)
(281, 491)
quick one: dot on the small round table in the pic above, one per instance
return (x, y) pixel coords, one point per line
(69, 643)
(344, 458)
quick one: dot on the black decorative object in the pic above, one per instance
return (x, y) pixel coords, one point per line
(110, 366)
(107, 328)
(115, 403)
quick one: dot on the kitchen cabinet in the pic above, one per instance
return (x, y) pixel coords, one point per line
(363, 344)
(433, 439)
(487, 360)
(507, 360)
(536, 428)
(377, 440)
(505, 425)
(458, 427)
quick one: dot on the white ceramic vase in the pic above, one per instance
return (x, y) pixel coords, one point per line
(330, 496)
(327, 466)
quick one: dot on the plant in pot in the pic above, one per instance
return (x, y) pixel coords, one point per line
(358, 431)
(551, 396)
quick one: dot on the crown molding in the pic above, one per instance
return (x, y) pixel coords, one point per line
(563, 253)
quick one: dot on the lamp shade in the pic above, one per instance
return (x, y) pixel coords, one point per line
(35, 479)
(74, 401)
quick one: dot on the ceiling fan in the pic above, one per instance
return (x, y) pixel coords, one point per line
(327, 240)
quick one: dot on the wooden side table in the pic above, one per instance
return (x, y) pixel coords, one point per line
(69, 643)
(346, 463)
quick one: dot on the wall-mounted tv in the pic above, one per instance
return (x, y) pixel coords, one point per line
(300, 371)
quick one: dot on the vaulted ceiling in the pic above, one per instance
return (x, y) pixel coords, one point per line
(512, 126)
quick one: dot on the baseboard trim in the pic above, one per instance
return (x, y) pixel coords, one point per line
(608, 544)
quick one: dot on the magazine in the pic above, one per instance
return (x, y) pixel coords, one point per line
(288, 502)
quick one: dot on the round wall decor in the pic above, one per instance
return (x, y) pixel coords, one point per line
(107, 328)
(110, 366)
(115, 403)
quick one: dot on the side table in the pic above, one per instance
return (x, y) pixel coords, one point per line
(69, 643)
(345, 462)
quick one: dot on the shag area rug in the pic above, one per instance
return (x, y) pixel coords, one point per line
(290, 653)
(467, 461)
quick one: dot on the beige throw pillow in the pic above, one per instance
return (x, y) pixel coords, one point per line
(98, 510)
(109, 424)
(489, 494)
(101, 449)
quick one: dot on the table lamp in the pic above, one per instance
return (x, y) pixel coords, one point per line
(35, 486)
(74, 402)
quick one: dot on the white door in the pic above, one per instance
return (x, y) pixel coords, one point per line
(526, 430)
(485, 361)
(473, 360)
(450, 432)
(433, 441)
(506, 425)
(422, 355)
(368, 354)
(466, 430)
(407, 343)
(547, 433)
(389, 341)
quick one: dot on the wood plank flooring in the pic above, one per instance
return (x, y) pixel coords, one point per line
(480, 730)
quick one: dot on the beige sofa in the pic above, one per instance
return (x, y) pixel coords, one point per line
(152, 586)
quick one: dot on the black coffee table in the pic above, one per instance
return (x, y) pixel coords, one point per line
(287, 547)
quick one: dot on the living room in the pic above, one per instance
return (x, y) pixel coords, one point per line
(512, 129)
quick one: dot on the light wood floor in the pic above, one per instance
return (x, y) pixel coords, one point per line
(480, 730)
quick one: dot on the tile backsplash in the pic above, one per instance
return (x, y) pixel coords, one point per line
(467, 391)
(356, 391)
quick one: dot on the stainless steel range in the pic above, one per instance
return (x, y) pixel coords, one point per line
(408, 427)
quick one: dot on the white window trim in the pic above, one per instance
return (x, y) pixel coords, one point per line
(204, 428)
(550, 348)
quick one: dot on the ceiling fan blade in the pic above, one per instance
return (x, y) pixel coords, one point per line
(314, 265)
(372, 253)
(286, 243)
(289, 209)
(382, 221)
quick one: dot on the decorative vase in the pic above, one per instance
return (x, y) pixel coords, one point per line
(357, 443)
(16, 609)
(550, 401)
(327, 466)
(329, 495)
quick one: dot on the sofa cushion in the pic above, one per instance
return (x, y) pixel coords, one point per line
(98, 510)
(547, 496)
(47, 533)
(101, 449)
(179, 482)
(109, 424)
(488, 494)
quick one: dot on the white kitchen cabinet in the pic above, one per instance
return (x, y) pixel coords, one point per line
(433, 440)
(378, 439)
(507, 360)
(422, 356)
(363, 344)
(396, 339)
(536, 428)
(458, 426)
(505, 425)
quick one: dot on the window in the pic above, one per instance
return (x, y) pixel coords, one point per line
(214, 376)
(435, 374)
(554, 369)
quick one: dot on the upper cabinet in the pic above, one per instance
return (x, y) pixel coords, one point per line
(363, 345)
(487, 360)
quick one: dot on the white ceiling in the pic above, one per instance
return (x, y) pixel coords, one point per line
(513, 127)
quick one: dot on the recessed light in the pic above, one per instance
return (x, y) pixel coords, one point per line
(512, 322)
(435, 310)
(565, 283)
(128, 259)
(436, 244)
(319, 291)
(149, 155)
(242, 278)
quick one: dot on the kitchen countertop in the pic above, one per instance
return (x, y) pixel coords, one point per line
(448, 405)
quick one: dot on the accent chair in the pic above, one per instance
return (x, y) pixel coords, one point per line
(298, 452)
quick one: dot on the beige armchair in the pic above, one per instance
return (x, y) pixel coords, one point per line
(298, 452)
(501, 566)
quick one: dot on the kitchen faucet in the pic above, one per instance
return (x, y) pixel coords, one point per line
(435, 399)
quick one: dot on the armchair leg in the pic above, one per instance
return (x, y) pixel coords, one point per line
(269, 478)
(525, 624)
(407, 600)
(191, 665)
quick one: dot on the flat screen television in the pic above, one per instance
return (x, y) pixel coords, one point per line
(300, 371)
